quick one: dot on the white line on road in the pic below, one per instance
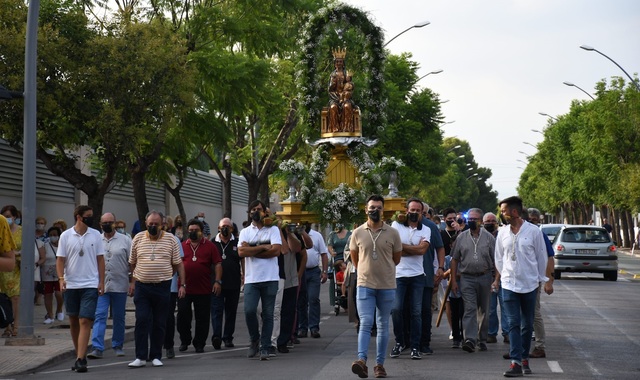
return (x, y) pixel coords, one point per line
(593, 369)
(554, 366)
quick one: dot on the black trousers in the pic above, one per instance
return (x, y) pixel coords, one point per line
(287, 315)
(201, 311)
(170, 330)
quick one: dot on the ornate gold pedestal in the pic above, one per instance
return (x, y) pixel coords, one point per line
(392, 205)
(293, 212)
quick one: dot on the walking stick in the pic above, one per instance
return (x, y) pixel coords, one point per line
(444, 300)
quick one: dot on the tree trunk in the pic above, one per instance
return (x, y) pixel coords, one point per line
(625, 216)
(140, 195)
(226, 190)
(616, 226)
(264, 191)
(253, 187)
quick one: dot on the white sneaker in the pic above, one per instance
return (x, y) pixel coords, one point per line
(138, 363)
(48, 321)
(157, 363)
(60, 316)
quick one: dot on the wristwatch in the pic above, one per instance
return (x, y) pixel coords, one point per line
(218, 282)
(324, 271)
(184, 286)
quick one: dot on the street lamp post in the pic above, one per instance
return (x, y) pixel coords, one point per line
(538, 131)
(528, 143)
(460, 156)
(454, 148)
(429, 73)
(579, 88)
(524, 162)
(549, 116)
(589, 48)
(526, 155)
(418, 25)
(473, 175)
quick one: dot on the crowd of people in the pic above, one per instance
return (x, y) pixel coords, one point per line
(401, 270)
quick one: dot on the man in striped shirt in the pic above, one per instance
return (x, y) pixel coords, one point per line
(155, 256)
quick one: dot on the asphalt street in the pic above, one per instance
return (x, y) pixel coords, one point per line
(592, 333)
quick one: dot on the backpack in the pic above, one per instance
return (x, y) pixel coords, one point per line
(6, 311)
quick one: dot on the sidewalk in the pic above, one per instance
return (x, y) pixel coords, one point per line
(58, 346)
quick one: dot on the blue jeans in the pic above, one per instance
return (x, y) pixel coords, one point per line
(415, 286)
(309, 311)
(520, 308)
(225, 305)
(372, 301)
(118, 302)
(265, 292)
(496, 323)
(152, 302)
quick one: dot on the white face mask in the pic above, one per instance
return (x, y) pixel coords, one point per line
(201, 218)
(40, 227)
(121, 230)
(53, 239)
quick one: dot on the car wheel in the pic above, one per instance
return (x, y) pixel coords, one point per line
(557, 275)
(611, 276)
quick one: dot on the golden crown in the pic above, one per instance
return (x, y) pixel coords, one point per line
(339, 53)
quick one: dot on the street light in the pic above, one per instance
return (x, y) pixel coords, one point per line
(579, 88)
(8, 95)
(454, 148)
(549, 116)
(538, 131)
(460, 156)
(528, 143)
(470, 169)
(427, 74)
(524, 162)
(444, 101)
(418, 25)
(473, 175)
(528, 156)
(589, 48)
(447, 122)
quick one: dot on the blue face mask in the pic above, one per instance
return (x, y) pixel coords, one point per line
(10, 221)
(18, 221)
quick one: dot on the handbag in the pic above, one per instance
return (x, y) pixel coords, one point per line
(6, 311)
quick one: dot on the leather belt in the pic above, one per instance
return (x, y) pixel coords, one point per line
(475, 274)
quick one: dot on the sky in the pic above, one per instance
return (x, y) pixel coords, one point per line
(506, 61)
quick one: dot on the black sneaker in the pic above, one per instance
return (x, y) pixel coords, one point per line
(216, 342)
(514, 371)
(283, 349)
(456, 344)
(264, 355)
(415, 354)
(482, 346)
(426, 350)
(80, 365)
(396, 350)
(271, 351)
(171, 353)
(469, 346)
(253, 349)
(229, 343)
(525, 367)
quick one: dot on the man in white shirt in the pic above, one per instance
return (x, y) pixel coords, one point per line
(309, 306)
(521, 260)
(410, 277)
(259, 245)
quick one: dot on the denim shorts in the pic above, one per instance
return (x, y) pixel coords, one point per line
(81, 302)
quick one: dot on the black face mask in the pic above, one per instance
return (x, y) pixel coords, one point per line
(490, 227)
(107, 227)
(413, 217)
(153, 230)
(473, 225)
(193, 235)
(225, 231)
(374, 215)
(88, 220)
(256, 216)
(449, 223)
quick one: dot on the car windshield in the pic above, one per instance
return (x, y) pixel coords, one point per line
(585, 235)
(551, 232)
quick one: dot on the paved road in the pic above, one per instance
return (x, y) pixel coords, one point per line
(592, 333)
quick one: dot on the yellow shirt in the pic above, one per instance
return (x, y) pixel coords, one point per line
(6, 239)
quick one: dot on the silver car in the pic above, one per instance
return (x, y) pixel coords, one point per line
(551, 230)
(585, 249)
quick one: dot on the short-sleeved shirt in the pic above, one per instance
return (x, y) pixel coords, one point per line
(48, 271)
(198, 272)
(81, 257)
(6, 238)
(411, 266)
(377, 273)
(474, 257)
(319, 248)
(257, 269)
(116, 263)
(154, 259)
(231, 263)
(338, 244)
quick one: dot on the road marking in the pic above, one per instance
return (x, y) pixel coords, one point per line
(554, 366)
(593, 369)
(325, 318)
(166, 360)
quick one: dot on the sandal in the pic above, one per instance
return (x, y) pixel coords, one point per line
(7, 333)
